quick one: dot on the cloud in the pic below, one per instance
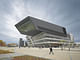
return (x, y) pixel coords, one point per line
(61, 12)
(9, 29)
(18, 12)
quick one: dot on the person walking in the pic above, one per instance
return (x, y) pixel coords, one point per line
(51, 50)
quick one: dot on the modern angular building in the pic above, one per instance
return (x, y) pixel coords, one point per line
(42, 33)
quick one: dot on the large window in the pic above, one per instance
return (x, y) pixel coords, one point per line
(27, 27)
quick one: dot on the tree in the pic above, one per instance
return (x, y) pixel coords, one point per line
(2, 43)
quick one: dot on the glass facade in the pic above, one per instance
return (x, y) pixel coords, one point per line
(26, 27)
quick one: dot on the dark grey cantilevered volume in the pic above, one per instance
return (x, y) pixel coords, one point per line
(32, 26)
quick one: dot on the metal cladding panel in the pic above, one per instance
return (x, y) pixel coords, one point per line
(49, 27)
(41, 26)
(22, 22)
(26, 27)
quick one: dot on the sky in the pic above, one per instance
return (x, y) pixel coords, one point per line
(65, 13)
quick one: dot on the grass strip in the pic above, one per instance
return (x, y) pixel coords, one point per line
(27, 57)
(5, 51)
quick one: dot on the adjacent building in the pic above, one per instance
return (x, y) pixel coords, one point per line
(21, 43)
(12, 45)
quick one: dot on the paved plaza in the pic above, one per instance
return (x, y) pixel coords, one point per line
(74, 54)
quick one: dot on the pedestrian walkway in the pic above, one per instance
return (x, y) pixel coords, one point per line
(44, 53)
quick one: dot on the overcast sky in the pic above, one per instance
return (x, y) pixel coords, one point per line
(65, 13)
